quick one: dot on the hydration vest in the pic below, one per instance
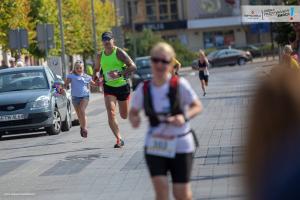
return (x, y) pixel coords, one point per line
(174, 98)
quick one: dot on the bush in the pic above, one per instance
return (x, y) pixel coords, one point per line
(147, 39)
(183, 54)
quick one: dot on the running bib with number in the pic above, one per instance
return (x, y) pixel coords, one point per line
(109, 78)
(162, 146)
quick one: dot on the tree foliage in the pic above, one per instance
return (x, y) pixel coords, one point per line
(146, 40)
(77, 22)
(284, 30)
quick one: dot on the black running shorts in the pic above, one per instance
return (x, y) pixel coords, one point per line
(202, 76)
(121, 93)
(180, 167)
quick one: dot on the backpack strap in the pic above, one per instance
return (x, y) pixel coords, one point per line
(174, 96)
(148, 105)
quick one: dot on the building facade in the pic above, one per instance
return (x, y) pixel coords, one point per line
(196, 23)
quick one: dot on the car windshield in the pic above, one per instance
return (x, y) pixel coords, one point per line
(212, 54)
(23, 80)
(143, 63)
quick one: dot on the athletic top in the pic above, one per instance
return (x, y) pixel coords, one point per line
(161, 104)
(79, 85)
(202, 65)
(109, 64)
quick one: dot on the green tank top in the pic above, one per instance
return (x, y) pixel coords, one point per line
(112, 63)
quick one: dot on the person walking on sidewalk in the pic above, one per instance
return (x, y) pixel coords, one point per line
(203, 71)
(169, 102)
(288, 59)
(115, 66)
(80, 91)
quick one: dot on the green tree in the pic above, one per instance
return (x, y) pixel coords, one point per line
(284, 30)
(146, 39)
(77, 22)
(14, 14)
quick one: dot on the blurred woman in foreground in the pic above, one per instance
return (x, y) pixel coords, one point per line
(273, 146)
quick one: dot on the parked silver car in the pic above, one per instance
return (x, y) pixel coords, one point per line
(29, 101)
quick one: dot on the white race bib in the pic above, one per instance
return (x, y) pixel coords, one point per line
(109, 78)
(163, 146)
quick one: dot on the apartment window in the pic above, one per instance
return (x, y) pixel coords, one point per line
(130, 9)
(151, 10)
(161, 10)
(174, 9)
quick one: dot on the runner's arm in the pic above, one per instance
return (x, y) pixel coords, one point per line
(194, 109)
(130, 65)
(134, 117)
(97, 66)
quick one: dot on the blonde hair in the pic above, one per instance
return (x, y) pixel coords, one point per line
(163, 47)
(287, 49)
(202, 53)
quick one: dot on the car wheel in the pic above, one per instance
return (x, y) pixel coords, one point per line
(55, 128)
(67, 124)
(1, 134)
(242, 61)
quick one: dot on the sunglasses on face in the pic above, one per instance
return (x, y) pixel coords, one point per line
(160, 60)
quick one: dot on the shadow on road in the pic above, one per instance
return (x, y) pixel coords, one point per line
(13, 136)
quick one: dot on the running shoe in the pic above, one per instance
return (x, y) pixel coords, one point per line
(84, 133)
(81, 132)
(119, 144)
(204, 93)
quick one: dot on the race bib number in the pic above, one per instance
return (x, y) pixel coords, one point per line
(112, 78)
(162, 146)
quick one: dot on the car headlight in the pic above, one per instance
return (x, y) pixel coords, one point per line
(40, 103)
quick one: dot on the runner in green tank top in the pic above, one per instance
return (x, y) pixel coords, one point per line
(114, 65)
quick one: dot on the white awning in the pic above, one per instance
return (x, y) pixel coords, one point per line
(215, 22)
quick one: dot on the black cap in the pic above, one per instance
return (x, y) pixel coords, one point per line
(107, 36)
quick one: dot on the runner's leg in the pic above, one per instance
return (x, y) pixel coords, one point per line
(124, 108)
(203, 85)
(182, 191)
(110, 103)
(77, 110)
(160, 184)
(83, 104)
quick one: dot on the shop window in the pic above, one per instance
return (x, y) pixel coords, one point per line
(218, 39)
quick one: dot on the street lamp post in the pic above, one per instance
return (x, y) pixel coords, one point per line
(133, 29)
(94, 31)
(62, 39)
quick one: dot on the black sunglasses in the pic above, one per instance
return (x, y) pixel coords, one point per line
(163, 61)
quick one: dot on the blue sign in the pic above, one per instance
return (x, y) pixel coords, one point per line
(260, 28)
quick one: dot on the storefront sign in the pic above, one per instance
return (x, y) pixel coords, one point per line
(161, 26)
(199, 9)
